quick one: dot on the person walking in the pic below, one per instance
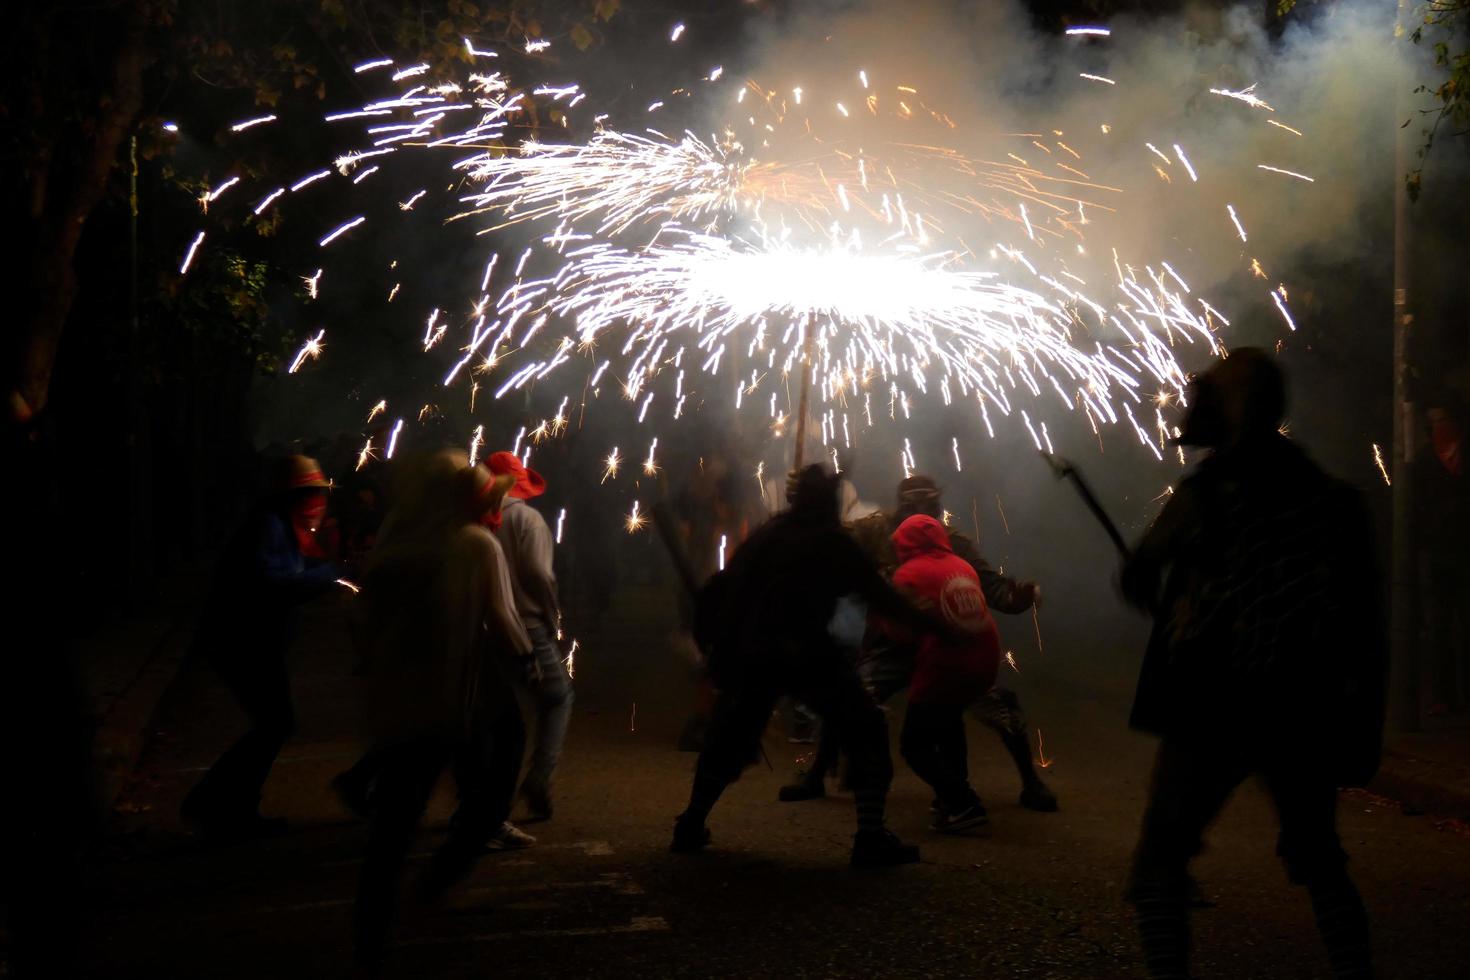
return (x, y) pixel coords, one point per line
(270, 565)
(1266, 658)
(441, 633)
(529, 547)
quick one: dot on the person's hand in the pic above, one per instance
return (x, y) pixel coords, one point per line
(530, 671)
(1032, 593)
(793, 478)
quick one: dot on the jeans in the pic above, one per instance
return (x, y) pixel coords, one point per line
(552, 699)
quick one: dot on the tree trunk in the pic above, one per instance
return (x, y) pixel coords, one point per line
(53, 277)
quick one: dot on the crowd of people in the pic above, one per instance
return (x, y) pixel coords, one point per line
(1265, 658)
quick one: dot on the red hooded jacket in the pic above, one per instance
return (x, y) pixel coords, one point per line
(946, 670)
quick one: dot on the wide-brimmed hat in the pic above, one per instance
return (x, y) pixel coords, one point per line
(528, 483)
(301, 473)
(486, 491)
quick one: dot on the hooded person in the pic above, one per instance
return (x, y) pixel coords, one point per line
(1266, 658)
(441, 628)
(269, 566)
(529, 549)
(950, 672)
(887, 665)
(764, 622)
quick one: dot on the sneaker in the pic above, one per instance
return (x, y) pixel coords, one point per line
(689, 836)
(538, 802)
(353, 794)
(509, 838)
(804, 790)
(969, 818)
(881, 849)
(1039, 797)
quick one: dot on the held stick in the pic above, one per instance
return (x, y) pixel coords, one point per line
(1062, 469)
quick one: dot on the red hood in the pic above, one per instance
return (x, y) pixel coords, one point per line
(919, 535)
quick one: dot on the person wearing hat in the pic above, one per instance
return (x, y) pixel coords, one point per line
(441, 631)
(1266, 658)
(271, 565)
(529, 549)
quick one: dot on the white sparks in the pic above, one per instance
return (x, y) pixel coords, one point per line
(393, 438)
(1179, 152)
(1089, 31)
(1289, 173)
(1096, 78)
(1235, 219)
(341, 230)
(240, 127)
(370, 65)
(677, 32)
(312, 349)
(189, 255)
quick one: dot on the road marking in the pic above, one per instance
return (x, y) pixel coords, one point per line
(639, 923)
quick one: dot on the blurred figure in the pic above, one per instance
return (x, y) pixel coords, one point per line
(1444, 493)
(764, 622)
(949, 673)
(441, 630)
(887, 666)
(271, 565)
(529, 552)
(1266, 658)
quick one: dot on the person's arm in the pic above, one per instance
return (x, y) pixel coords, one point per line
(882, 598)
(283, 570)
(1143, 569)
(535, 553)
(504, 619)
(1002, 593)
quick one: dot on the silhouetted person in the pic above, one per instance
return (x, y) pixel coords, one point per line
(271, 565)
(764, 623)
(1266, 658)
(441, 630)
(887, 665)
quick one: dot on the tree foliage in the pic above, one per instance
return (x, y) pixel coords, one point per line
(1446, 27)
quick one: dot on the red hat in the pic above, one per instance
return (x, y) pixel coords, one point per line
(528, 483)
(301, 473)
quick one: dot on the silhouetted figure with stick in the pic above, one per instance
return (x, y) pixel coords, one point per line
(1266, 659)
(764, 624)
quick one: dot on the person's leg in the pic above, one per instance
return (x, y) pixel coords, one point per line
(812, 784)
(933, 744)
(229, 794)
(1000, 710)
(553, 697)
(733, 740)
(886, 672)
(487, 766)
(830, 684)
(406, 776)
(1313, 855)
(1189, 788)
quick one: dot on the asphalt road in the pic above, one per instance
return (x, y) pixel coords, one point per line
(1033, 895)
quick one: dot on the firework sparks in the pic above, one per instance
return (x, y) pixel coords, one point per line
(312, 349)
(352, 587)
(636, 521)
(1382, 468)
(189, 255)
(1011, 660)
(1289, 173)
(1246, 95)
(1042, 760)
(610, 465)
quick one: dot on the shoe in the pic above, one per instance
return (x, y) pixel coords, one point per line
(1039, 797)
(353, 794)
(509, 838)
(805, 790)
(538, 802)
(689, 836)
(881, 849)
(969, 818)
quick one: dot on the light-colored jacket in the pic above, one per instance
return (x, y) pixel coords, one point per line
(529, 551)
